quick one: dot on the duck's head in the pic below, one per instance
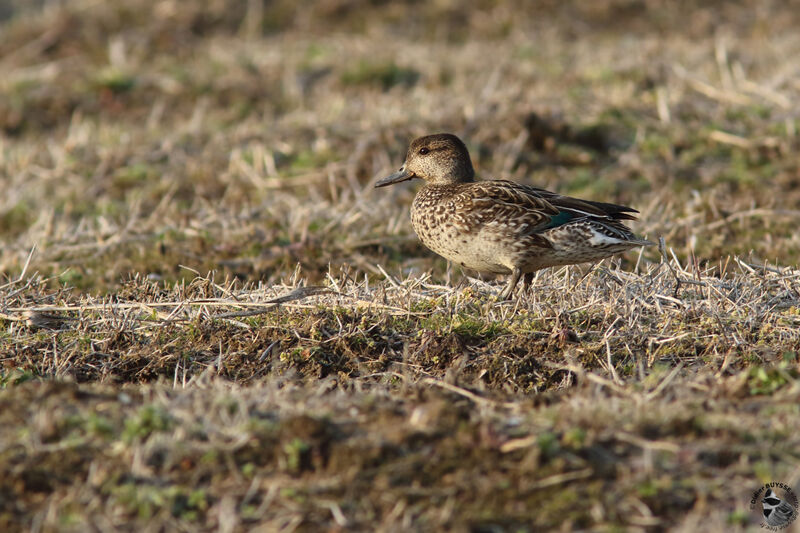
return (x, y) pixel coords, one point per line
(439, 159)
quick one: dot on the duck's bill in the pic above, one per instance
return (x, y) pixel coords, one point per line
(397, 177)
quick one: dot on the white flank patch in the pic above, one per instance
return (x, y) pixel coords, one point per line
(599, 238)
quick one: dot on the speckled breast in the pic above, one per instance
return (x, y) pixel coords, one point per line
(436, 223)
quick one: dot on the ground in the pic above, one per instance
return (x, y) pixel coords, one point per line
(210, 320)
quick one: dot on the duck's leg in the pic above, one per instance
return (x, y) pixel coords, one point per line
(527, 280)
(515, 275)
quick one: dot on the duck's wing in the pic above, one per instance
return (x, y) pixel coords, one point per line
(603, 218)
(538, 209)
(504, 205)
(585, 207)
(523, 211)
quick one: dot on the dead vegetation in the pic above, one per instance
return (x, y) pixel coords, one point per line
(209, 320)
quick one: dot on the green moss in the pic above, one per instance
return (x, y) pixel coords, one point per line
(115, 80)
(146, 501)
(149, 419)
(16, 219)
(295, 451)
(473, 327)
(132, 176)
(548, 443)
(574, 438)
(767, 380)
(306, 159)
(739, 517)
(99, 426)
(15, 376)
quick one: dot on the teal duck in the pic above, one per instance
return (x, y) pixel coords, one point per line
(503, 227)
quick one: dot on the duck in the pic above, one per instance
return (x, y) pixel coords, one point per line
(503, 227)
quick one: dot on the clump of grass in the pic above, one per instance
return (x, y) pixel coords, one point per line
(148, 420)
(385, 75)
(115, 80)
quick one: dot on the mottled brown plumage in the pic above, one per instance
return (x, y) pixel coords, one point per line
(500, 226)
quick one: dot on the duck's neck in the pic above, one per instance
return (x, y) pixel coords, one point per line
(451, 182)
(433, 193)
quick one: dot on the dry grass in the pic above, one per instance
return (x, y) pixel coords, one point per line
(210, 320)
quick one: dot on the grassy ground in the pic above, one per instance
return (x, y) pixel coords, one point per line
(210, 320)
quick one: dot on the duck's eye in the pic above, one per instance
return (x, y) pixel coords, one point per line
(423, 151)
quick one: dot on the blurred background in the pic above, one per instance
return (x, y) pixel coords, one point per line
(165, 139)
(244, 136)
